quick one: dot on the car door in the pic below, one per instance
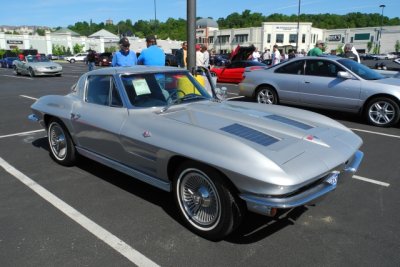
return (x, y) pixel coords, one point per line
(321, 87)
(233, 72)
(97, 119)
(286, 80)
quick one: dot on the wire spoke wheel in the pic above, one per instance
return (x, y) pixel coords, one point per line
(57, 141)
(200, 199)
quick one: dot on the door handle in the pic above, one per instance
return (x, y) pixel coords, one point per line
(307, 82)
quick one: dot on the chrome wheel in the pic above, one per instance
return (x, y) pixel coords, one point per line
(199, 199)
(57, 141)
(383, 112)
(266, 95)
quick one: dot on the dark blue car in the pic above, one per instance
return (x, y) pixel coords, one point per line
(7, 62)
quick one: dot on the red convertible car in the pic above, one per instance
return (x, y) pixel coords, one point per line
(233, 71)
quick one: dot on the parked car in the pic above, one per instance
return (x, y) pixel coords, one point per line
(219, 159)
(219, 60)
(367, 56)
(7, 62)
(327, 82)
(36, 66)
(385, 56)
(103, 59)
(77, 57)
(233, 71)
(170, 60)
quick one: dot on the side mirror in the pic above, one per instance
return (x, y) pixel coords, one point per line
(221, 93)
(344, 75)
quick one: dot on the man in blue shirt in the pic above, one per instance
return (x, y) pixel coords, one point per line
(124, 57)
(152, 55)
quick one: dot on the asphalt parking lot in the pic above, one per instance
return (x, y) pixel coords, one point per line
(90, 215)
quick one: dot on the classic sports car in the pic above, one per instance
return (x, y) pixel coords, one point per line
(218, 158)
(232, 72)
(35, 66)
(327, 82)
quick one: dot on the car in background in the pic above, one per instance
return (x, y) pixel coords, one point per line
(170, 60)
(233, 71)
(103, 59)
(7, 62)
(333, 83)
(77, 57)
(219, 60)
(367, 56)
(218, 159)
(385, 56)
(36, 66)
(53, 57)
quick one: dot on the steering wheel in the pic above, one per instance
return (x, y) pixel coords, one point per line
(174, 93)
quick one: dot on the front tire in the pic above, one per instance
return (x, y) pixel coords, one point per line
(16, 70)
(206, 203)
(266, 95)
(382, 112)
(31, 72)
(62, 149)
(72, 61)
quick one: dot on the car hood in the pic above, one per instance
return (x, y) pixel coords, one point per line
(43, 64)
(286, 136)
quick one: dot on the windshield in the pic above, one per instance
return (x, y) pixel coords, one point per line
(164, 89)
(361, 70)
(38, 58)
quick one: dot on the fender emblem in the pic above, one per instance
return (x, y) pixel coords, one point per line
(147, 134)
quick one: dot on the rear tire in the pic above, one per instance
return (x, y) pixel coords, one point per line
(382, 112)
(62, 149)
(266, 95)
(207, 204)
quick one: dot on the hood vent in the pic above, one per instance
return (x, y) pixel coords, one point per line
(250, 134)
(289, 122)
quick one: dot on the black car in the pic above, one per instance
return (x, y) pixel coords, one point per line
(103, 59)
(170, 60)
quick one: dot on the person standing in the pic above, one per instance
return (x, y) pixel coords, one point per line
(199, 57)
(91, 58)
(152, 55)
(266, 55)
(181, 55)
(124, 57)
(276, 56)
(348, 53)
(256, 55)
(317, 50)
(206, 56)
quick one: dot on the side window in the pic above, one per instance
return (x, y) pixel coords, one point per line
(101, 90)
(322, 68)
(296, 67)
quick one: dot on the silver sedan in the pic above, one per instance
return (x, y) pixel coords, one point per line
(327, 82)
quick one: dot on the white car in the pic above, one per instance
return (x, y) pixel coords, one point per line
(77, 57)
(385, 56)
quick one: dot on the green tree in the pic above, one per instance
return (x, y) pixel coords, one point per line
(77, 48)
(397, 46)
(111, 49)
(369, 46)
(41, 32)
(2, 52)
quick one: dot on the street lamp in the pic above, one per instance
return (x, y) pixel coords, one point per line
(380, 32)
(298, 28)
(155, 17)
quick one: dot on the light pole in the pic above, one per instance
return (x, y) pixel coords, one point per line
(380, 32)
(298, 28)
(155, 17)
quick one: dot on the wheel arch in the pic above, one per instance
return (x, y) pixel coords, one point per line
(176, 161)
(370, 98)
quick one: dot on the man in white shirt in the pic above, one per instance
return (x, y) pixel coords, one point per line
(199, 56)
(276, 55)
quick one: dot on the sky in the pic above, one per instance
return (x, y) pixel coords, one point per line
(53, 13)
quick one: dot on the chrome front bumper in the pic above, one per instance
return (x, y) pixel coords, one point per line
(264, 205)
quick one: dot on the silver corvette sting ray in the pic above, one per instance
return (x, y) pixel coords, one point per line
(218, 158)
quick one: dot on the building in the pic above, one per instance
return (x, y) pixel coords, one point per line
(284, 34)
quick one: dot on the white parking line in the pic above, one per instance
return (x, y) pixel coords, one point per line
(371, 180)
(33, 98)
(21, 134)
(18, 77)
(114, 242)
(377, 133)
